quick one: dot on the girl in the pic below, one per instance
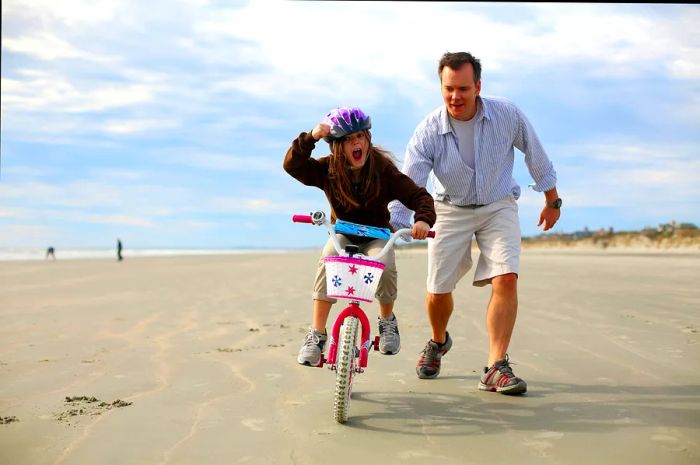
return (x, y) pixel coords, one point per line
(359, 180)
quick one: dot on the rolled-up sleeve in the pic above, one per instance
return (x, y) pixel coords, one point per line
(538, 164)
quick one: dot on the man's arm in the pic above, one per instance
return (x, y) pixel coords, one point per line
(541, 170)
(551, 211)
(536, 159)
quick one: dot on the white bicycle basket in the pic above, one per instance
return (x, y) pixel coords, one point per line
(352, 278)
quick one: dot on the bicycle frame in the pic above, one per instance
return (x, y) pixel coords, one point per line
(319, 218)
(360, 286)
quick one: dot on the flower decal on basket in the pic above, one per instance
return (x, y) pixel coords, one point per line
(352, 278)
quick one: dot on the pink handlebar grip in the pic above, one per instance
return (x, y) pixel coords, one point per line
(302, 219)
(431, 233)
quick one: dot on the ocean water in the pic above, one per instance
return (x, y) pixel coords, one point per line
(23, 254)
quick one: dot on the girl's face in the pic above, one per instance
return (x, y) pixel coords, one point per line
(355, 148)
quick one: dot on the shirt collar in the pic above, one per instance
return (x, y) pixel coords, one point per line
(481, 112)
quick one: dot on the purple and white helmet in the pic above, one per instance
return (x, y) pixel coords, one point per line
(344, 121)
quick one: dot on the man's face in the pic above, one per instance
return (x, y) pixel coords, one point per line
(459, 91)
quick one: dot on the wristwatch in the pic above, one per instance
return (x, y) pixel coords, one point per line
(556, 204)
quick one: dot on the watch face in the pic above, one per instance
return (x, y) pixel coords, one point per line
(556, 203)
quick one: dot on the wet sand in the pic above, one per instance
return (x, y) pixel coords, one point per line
(191, 360)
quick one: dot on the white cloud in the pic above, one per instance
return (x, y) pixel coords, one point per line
(29, 233)
(119, 174)
(13, 212)
(685, 68)
(318, 58)
(223, 162)
(93, 195)
(242, 205)
(124, 220)
(47, 46)
(70, 12)
(46, 92)
(138, 125)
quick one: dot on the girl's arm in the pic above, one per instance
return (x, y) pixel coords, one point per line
(414, 197)
(299, 164)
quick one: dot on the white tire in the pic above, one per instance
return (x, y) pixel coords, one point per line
(345, 366)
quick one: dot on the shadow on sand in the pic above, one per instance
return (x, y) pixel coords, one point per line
(548, 407)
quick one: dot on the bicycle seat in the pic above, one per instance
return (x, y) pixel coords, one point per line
(352, 250)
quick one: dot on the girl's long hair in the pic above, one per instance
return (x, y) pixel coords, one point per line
(370, 176)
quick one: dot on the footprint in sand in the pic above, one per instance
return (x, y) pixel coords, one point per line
(253, 423)
(541, 442)
(549, 435)
(415, 454)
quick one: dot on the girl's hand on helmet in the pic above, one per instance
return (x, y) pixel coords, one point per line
(320, 131)
(420, 230)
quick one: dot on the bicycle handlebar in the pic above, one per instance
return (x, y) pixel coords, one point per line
(319, 218)
(303, 219)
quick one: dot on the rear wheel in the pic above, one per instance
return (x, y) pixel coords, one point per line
(345, 366)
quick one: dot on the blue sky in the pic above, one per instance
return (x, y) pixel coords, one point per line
(165, 123)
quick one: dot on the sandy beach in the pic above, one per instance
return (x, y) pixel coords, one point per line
(192, 360)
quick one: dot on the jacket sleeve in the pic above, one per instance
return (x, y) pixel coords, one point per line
(299, 164)
(414, 197)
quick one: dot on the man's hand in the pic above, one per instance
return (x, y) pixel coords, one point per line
(549, 217)
(420, 230)
(320, 131)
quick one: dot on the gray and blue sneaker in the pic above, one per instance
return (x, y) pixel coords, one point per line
(311, 352)
(389, 339)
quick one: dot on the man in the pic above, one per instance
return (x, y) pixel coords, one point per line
(468, 146)
(119, 250)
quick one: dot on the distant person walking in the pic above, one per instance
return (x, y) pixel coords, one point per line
(50, 252)
(467, 143)
(119, 250)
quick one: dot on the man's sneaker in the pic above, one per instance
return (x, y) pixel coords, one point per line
(389, 339)
(429, 362)
(311, 351)
(500, 378)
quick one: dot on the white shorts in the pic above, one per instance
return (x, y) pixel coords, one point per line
(496, 227)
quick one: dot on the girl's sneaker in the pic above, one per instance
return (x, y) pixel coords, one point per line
(500, 378)
(389, 339)
(311, 351)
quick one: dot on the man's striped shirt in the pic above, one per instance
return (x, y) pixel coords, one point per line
(499, 127)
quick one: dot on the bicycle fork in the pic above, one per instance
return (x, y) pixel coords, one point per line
(354, 310)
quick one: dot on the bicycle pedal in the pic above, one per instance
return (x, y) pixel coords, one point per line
(375, 343)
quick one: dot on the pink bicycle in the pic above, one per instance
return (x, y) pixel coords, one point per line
(354, 277)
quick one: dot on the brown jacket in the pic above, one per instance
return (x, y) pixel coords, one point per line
(395, 186)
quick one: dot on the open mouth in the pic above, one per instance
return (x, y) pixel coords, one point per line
(357, 155)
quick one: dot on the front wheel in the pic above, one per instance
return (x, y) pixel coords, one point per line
(345, 366)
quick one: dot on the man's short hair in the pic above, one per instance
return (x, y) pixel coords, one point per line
(457, 60)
